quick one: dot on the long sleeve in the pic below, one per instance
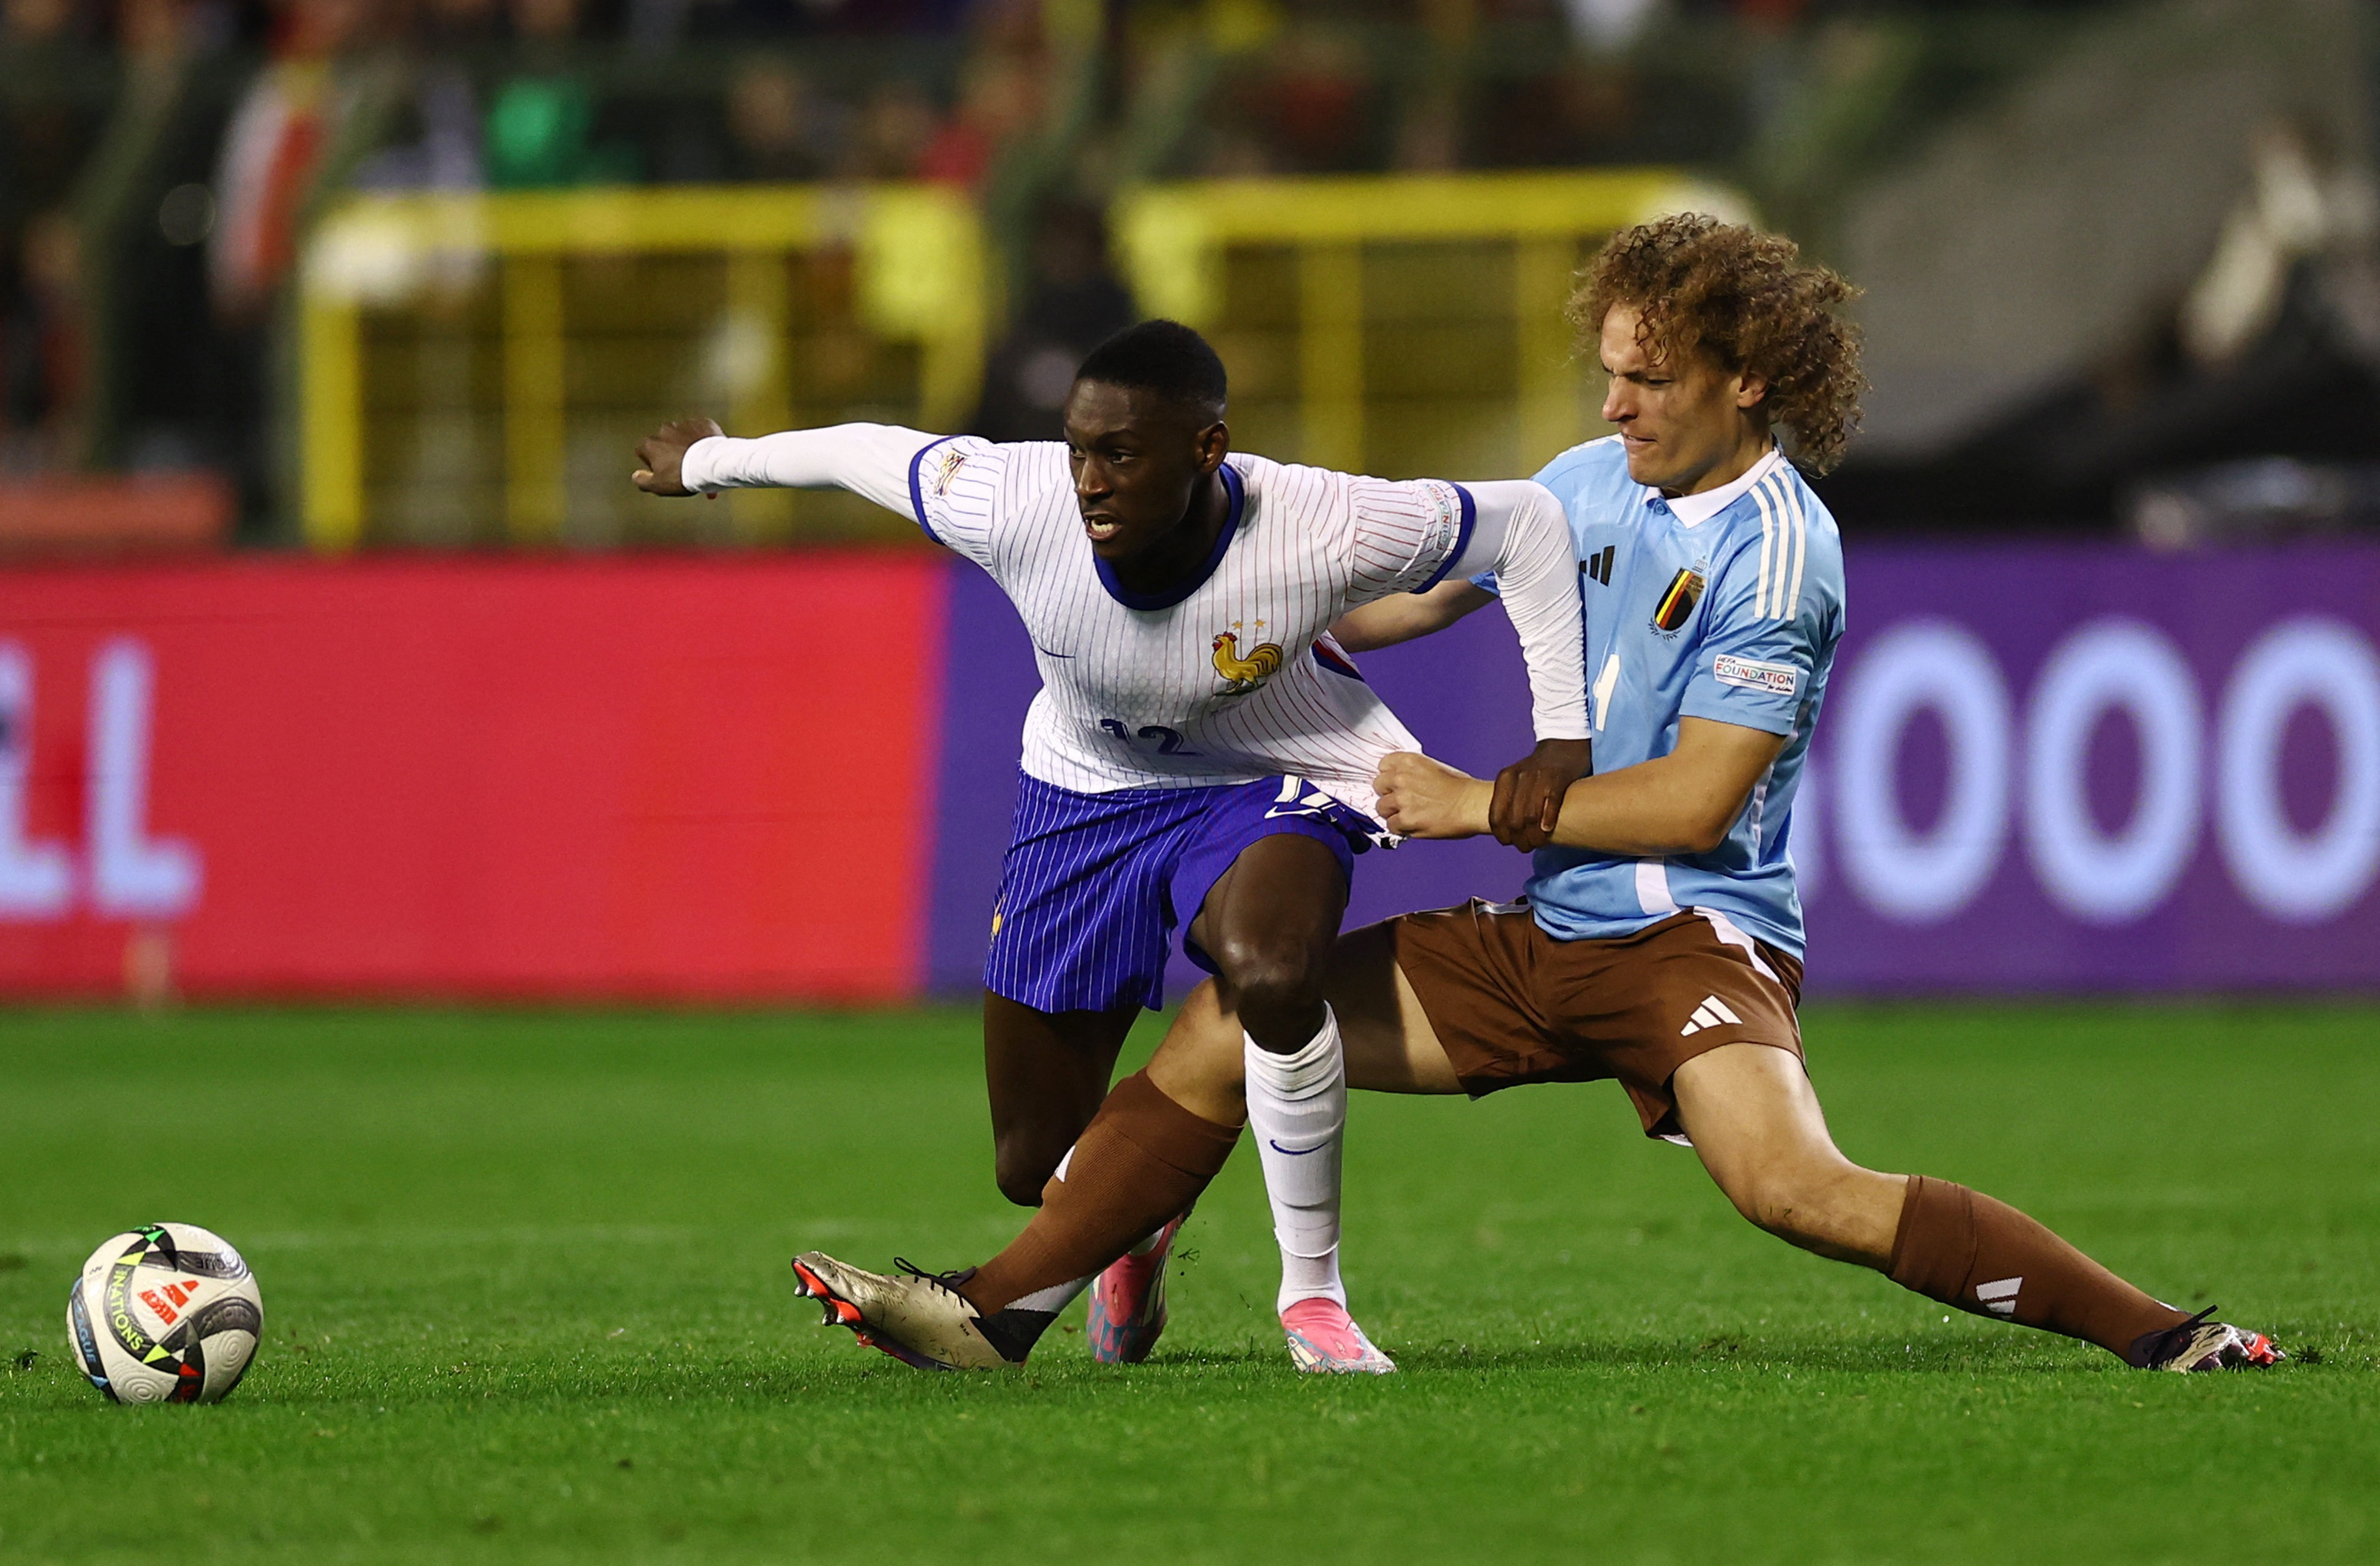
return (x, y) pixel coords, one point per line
(873, 461)
(1524, 537)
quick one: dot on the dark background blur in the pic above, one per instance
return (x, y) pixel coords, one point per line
(2119, 257)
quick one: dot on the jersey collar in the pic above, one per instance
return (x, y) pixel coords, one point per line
(1237, 491)
(1693, 511)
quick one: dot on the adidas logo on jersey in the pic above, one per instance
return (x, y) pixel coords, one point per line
(1711, 1013)
(1999, 1298)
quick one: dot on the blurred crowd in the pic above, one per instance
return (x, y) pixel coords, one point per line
(160, 160)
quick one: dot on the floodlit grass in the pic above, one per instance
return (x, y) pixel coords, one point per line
(527, 1299)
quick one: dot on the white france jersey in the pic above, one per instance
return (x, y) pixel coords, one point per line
(1232, 676)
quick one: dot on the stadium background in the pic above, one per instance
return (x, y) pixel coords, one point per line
(342, 661)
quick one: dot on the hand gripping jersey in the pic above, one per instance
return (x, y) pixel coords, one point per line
(1231, 676)
(1726, 605)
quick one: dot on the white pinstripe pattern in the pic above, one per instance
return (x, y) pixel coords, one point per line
(1094, 885)
(1108, 948)
(1311, 544)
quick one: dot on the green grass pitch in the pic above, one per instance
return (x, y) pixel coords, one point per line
(527, 1299)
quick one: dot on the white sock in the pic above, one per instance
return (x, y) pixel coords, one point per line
(1297, 1112)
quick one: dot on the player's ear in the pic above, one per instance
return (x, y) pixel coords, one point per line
(1214, 443)
(1750, 390)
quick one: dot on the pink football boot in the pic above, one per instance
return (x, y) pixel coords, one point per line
(1325, 1340)
(1127, 1309)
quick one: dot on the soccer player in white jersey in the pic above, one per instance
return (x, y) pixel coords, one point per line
(1201, 755)
(1660, 938)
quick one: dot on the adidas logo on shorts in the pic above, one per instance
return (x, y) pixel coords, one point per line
(1711, 1013)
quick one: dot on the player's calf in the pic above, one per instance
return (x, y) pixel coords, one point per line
(1756, 1125)
(1982, 1257)
(1046, 1074)
(1023, 1162)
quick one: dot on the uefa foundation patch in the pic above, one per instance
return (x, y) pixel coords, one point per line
(1778, 679)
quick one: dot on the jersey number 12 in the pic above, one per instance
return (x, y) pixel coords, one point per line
(1167, 741)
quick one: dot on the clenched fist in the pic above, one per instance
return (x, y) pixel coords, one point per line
(1420, 797)
(661, 459)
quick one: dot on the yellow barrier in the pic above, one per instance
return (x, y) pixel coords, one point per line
(477, 368)
(1403, 324)
(468, 357)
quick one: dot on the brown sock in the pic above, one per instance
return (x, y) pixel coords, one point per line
(1965, 1249)
(1143, 1158)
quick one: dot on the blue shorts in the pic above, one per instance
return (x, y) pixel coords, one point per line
(1094, 885)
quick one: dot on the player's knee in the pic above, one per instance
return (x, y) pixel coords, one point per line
(1789, 1203)
(1271, 977)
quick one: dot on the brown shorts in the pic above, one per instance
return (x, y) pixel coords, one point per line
(1511, 1004)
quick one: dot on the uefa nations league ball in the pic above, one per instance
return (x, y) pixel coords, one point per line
(167, 1313)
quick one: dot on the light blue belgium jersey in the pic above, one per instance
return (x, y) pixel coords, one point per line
(1725, 605)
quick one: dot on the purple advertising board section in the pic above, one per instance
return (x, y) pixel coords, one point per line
(2040, 769)
(2265, 804)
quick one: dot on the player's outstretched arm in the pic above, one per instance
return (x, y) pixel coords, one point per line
(690, 456)
(1681, 803)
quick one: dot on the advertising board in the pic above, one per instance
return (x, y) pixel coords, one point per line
(666, 778)
(2039, 769)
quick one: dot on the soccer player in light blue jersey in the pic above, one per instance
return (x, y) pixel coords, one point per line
(1659, 942)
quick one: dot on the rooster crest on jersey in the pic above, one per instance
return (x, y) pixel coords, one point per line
(1243, 675)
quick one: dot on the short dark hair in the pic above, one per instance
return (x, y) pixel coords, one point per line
(1164, 357)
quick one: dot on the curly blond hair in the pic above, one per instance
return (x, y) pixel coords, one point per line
(1749, 301)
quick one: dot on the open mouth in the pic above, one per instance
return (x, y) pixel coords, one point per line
(1101, 528)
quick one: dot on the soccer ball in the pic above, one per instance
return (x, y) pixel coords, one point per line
(167, 1313)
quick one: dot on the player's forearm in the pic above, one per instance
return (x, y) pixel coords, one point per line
(1664, 806)
(870, 460)
(1400, 617)
(1536, 571)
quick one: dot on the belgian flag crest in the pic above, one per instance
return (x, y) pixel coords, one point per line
(1678, 600)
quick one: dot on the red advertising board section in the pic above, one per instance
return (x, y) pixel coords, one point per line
(663, 778)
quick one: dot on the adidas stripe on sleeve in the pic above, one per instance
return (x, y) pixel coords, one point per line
(1762, 631)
